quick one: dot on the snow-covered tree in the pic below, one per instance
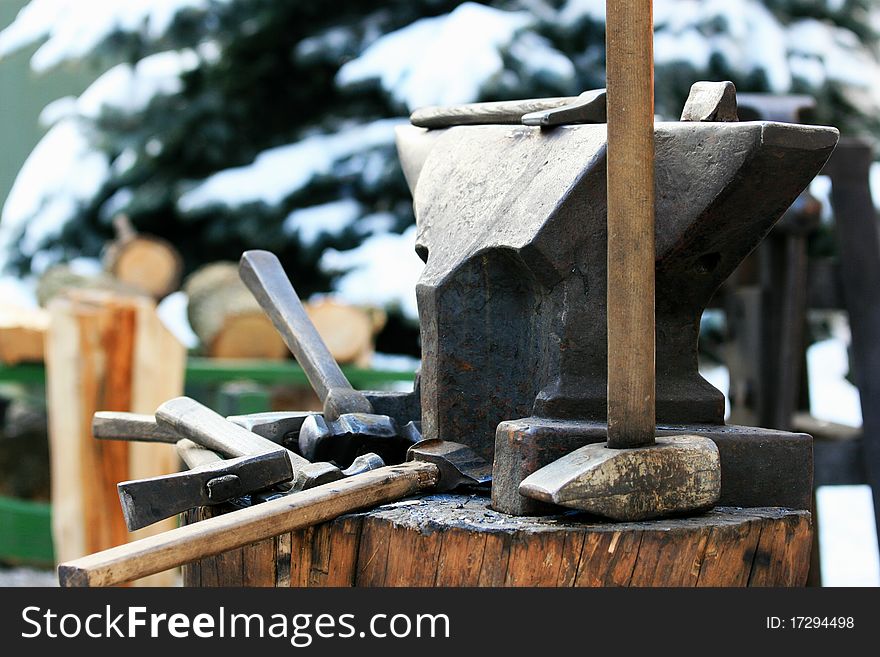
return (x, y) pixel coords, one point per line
(232, 124)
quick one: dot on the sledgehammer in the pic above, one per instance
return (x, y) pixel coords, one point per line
(633, 476)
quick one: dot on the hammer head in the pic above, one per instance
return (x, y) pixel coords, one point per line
(353, 434)
(145, 501)
(677, 475)
(459, 465)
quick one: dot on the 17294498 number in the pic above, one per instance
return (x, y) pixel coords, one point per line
(810, 622)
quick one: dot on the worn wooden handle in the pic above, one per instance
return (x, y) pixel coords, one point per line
(630, 64)
(112, 425)
(189, 419)
(234, 530)
(264, 276)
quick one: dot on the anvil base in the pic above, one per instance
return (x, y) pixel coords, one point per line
(759, 467)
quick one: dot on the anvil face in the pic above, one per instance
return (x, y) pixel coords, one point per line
(512, 224)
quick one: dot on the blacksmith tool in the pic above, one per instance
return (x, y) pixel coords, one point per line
(350, 426)
(589, 107)
(633, 476)
(280, 427)
(512, 225)
(431, 465)
(257, 463)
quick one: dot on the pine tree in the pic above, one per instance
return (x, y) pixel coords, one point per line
(231, 124)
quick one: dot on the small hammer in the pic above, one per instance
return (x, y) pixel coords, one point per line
(350, 425)
(257, 463)
(431, 465)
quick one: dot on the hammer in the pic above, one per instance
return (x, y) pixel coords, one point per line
(431, 465)
(634, 476)
(257, 462)
(350, 425)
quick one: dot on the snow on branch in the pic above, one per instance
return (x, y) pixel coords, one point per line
(279, 172)
(382, 271)
(448, 59)
(73, 29)
(63, 172)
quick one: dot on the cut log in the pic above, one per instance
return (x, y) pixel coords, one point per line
(348, 331)
(145, 262)
(104, 352)
(227, 319)
(59, 279)
(21, 334)
(455, 540)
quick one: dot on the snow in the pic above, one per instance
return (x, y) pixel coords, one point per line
(744, 34)
(539, 58)
(62, 172)
(441, 60)
(277, 173)
(18, 292)
(394, 363)
(71, 29)
(330, 218)
(686, 46)
(820, 188)
(836, 52)
(61, 108)
(382, 271)
(874, 178)
(172, 313)
(748, 38)
(379, 222)
(129, 89)
(847, 535)
(594, 10)
(834, 399)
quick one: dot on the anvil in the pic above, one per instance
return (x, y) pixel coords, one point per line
(512, 228)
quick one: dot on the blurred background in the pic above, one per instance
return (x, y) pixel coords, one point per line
(147, 143)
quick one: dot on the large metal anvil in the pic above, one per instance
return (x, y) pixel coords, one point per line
(512, 228)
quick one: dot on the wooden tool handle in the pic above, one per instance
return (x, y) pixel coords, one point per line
(265, 278)
(194, 455)
(233, 530)
(112, 425)
(190, 419)
(630, 64)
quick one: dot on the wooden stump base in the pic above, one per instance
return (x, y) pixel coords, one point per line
(455, 540)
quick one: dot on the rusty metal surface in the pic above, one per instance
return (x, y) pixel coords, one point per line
(511, 223)
(758, 466)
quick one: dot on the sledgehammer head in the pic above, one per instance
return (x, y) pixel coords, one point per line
(677, 475)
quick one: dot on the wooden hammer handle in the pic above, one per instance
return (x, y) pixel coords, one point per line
(630, 89)
(190, 419)
(264, 276)
(189, 543)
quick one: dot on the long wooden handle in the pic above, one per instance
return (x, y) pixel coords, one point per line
(630, 65)
(113, 425)
(262, 273)
(190, 419)
(173, 548)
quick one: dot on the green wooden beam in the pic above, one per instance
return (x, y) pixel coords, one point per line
(215, 371)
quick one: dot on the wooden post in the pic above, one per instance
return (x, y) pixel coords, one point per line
(104, 352)
(630, 65)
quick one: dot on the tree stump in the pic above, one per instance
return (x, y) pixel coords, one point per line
(456, 540)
